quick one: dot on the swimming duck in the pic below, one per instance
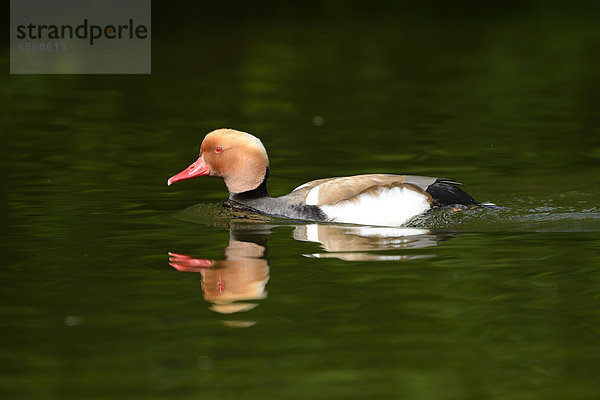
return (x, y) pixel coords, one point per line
(241, 160)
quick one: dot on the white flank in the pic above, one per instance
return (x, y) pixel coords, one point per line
(386, 207)
(312, 198)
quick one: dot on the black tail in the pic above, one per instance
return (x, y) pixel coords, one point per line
(445, 193)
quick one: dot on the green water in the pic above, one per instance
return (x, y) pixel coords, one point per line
(480, 304)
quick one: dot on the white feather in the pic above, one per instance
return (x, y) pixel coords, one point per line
(386, 207)
(312, 198)
(301, 186)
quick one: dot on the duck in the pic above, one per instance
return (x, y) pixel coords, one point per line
(241, 160)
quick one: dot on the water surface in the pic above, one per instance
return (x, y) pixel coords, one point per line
(482, 303)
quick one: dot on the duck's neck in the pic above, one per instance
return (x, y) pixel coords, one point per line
(259, 192)
(255, 201)
(258, 201)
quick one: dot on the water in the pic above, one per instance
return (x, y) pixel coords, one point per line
(117, 286)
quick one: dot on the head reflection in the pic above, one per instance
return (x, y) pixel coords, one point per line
(231, 283)
(235, 283)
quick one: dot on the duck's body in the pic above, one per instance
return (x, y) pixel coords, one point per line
(373, 199)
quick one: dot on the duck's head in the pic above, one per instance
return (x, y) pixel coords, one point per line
(238, 157)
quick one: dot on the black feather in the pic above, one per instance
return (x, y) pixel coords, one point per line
(445, 193)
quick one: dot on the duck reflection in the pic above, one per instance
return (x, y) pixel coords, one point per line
(236, 283)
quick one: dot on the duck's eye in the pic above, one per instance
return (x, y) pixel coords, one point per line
(218, 149)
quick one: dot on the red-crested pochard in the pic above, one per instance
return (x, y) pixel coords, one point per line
(374, 199)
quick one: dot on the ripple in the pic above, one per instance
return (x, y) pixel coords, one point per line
(544, 218)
